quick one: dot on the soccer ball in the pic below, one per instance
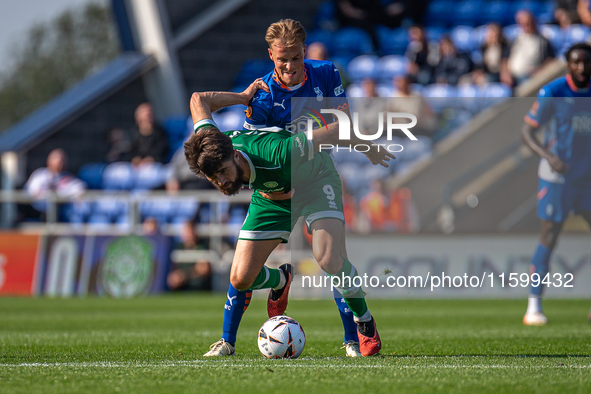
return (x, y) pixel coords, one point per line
(281, 337)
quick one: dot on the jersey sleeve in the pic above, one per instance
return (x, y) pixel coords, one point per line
(336, 96)
(258, 112)
(542, 110)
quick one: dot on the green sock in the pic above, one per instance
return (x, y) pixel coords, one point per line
(353, 295)
(266, 279)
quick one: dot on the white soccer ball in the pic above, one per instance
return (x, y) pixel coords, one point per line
(281, 337)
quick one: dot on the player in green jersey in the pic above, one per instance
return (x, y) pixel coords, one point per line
(270, 162)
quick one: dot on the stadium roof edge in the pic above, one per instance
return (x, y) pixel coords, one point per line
(68, 105)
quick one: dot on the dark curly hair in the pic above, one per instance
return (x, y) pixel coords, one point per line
(207, 150)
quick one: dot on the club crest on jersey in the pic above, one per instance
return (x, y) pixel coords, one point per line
(271, 184)
(319, 94)
(339, 90)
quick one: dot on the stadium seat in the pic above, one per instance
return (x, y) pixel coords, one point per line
(252, 70)
(148, 177)
(79, 212)
(110, 207)
(118, 176)
(498, 11)
(162, 210)
(529, 5)
(435, 94)
(496, 93)
(575, 34)
(554, 35)
(391, 66)
(351, 41)
(362, 67)
(92, 174)
(511, 32)
(325, 16)
(186, 209)
(230, 119)
(392, 41)
(546, 12)
(468, 13)
(354, 90)
(469, 97)
(440, 13)
(322, 36)
(99, 220)
(434, 33)
(386, 89)
(462, 38)
(177, 131)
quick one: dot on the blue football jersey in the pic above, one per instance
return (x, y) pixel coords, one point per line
(567, 112)
(321, 88)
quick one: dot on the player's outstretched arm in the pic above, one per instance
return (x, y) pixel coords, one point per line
(204, 103)
(528, 135)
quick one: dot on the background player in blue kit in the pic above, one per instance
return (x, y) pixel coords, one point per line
(565, 164)
(318, 84)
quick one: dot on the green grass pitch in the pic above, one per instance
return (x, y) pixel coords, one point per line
(155, 345)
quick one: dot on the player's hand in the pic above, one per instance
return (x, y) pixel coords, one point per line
(252, 89)
(278, 196)
(378, 154)
(557, 164)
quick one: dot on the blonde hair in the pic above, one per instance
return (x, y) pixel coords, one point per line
(290, 31)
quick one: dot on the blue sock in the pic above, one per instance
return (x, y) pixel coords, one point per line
(349, 324)
(236, 303)
(540, 264)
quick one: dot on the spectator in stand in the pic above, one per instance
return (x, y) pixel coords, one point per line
(495, 52)
(530, 50)
(567, 9)
(563, 18)
(407, 101)
(195, 276)
(150, 226)
(54, 178)
(119, 143)
(375, 204)
(452, 64)
(584, 11)
(148, 140)
(317, 51)
(422, 56)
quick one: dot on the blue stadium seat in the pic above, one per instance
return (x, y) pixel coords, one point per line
(529, 5)
(92, 174)
(99, 220)
(80, 212)
(252, 70)
(462, 38)
(554, 35)
(498, 11)
(511, 32)
(362, 67)
(351, 41)
(162, 210)
(469, 97)
(440, 13)
(118, 176)
(392, 41)
(354, 90)
(185, 209)
(230, 119)
(322, 36)
(546, 12)
(391, 66)
(177, 131)
(148, 177)
(435, 94)
(110, 208)
(468, 13)
(478, 37)
(575, 34)
(385, 90)
(325, 16)
(495, 93)
(434, 33)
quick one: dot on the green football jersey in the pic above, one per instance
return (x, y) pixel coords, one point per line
(280, 160)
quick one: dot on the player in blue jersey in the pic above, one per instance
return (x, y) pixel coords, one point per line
(318, 85)
(565, 164)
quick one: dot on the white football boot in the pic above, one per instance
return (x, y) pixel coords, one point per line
(352, 349)
(535, 319)
(220, 348)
